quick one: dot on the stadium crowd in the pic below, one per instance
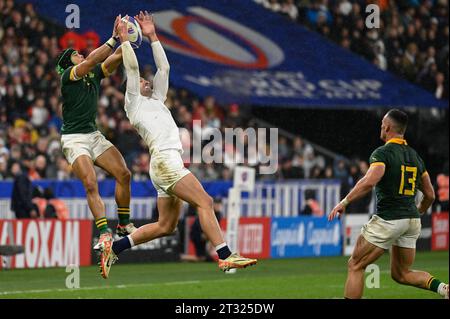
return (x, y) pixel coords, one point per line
(412, 40)
(30, 109)
(30, 104)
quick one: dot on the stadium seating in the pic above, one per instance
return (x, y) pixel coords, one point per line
(30, 108)
(412, 40)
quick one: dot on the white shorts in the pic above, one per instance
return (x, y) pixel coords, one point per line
(166, 169)
(385, 233)
(91, 144)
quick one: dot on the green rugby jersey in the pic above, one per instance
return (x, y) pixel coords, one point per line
(397, 189)
(79, 110)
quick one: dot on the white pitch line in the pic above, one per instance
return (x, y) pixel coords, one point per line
(37, 291)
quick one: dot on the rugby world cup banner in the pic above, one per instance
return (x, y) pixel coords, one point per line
(305, 237)
(48, 243)
(240, 52)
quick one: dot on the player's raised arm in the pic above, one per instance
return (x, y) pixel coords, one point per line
(112, 62)
(364, 186)
(131, 64)
(96, 56)
(161, 78)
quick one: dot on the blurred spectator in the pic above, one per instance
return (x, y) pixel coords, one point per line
(92, 41)
(357, 170)
(409, 67)
(3, 168)
(312, 206)
(283, 148)
(441, 90)
(38, 200)
(442, 192)
(38, 168)
(211, 172)
(329, 174)
(289, 171)
(64, 170)
(39, 114)
(73, 40)
(312, 162)
(340, 169)
(56, 208)
(21, 197)
(316, 173)
(289, 8)
(298, 146)
(3, 149)
(226, 174)
(234, 117)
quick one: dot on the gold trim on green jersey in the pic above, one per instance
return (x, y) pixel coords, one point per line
(377, 164)
(397, 140)
(105, 70)
(72, 76)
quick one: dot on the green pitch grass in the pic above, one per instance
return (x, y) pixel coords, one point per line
(275, 278)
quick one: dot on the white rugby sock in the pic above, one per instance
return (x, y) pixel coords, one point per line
(441, 289)
(131, 240)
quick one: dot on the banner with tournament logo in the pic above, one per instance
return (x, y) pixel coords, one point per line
(305, 237)
(47, 243)
(240, 52)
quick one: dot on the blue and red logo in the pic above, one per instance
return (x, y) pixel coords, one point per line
(211, 37)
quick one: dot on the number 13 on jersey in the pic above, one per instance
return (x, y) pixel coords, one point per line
(408, 180)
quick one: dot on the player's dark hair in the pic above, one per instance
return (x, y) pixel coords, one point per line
(400, 119)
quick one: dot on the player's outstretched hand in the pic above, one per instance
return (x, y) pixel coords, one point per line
(146, 23)
(122, 30)
(336, 212)
(116, 23)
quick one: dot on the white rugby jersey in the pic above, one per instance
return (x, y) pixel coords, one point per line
(151, 118)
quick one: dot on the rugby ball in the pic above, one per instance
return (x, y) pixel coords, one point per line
(134, 32)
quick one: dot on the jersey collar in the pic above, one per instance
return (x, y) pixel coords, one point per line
(400, 141)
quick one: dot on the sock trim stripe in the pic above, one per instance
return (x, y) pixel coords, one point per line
(220, 246)
(429, 282)
(123, 208)
(130, 240)
(101, 220)
(123, 213)
(102, 224)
